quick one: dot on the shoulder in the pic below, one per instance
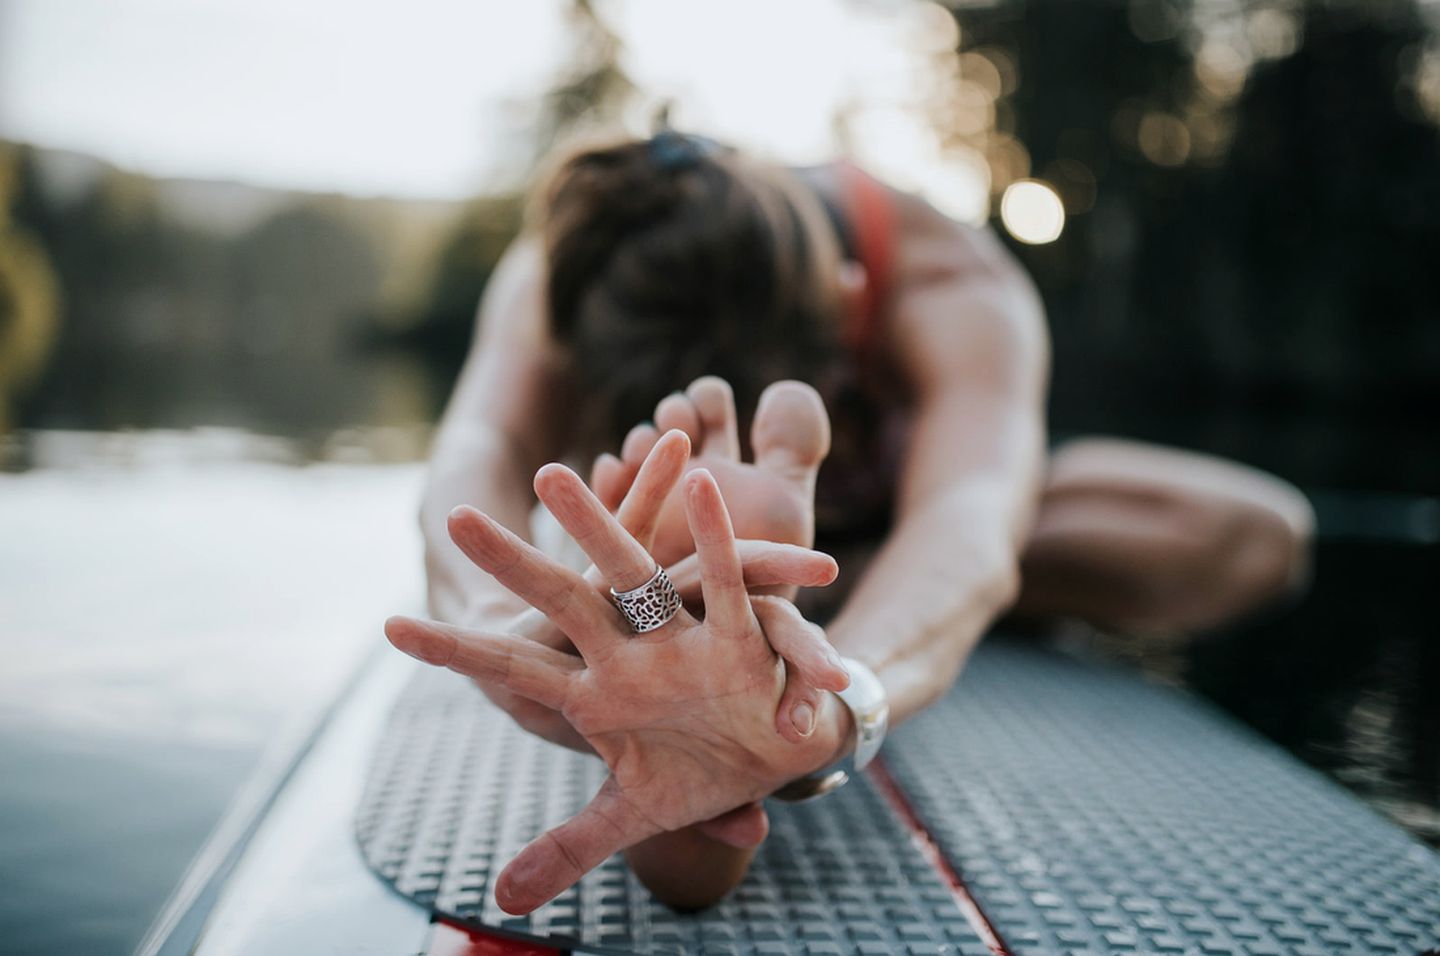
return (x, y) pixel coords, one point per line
(927, 244)
(962, 304)
(512, 309)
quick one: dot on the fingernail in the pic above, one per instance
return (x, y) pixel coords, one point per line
(803, 716)
(509, 890)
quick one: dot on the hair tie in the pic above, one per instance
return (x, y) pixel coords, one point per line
(672, 150)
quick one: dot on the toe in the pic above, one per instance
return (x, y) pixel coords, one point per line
(677, 411)
(715, 403)
(791, 433)
(638, 443)
(610, 478)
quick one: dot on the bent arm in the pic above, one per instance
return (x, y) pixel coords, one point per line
(969, 331)
(496, 431)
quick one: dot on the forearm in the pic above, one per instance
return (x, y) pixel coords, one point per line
(473, 464)
(978, 353)
(947, 570)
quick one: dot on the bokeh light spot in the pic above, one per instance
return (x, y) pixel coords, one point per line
(1164, 139)
(1002, 63)
(1008, 158)
(933, 28)
(980, 69)
(1153, 22)
(1221, 68)
(1273, 34)
(972, 109)
(1032, 212)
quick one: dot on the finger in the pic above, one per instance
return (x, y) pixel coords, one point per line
(743, 828)
(522, 667)
(610, 478)
(531, 624)
(722, 582)
(811, 665)
(638, 443)
(557, 859)
(537, 719)
(639, 512)
(677, 411)
(544, 722)
(617, 556)
(715, 403)
(546, 585)
(764, 564)
(801, 643)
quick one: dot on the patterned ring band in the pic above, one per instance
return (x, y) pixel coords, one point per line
(649, 606)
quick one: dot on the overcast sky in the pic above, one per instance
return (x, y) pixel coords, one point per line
(416, 99)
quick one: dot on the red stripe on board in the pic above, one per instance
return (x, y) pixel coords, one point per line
(925, 843)
(450, 939)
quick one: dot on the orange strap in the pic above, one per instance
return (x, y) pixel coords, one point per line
(872, 223)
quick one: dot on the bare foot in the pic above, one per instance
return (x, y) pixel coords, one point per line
(771, 499)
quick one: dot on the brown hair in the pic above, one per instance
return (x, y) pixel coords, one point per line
(674, 257)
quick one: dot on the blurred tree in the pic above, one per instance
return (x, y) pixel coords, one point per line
(29, 299)
(593, 91)
(168, 322)
(302, 280)
(447, 317)
(1252, 274)
(1253, 192)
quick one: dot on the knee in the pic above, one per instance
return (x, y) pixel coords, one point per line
(1251, 553)
(1233, 518)
(1260, 548)
(1272, 543)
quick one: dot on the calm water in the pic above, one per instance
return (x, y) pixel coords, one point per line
(168, 603)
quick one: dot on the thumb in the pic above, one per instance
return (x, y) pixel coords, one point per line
(555, 861)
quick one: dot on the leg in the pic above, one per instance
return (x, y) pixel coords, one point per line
(1150, 540)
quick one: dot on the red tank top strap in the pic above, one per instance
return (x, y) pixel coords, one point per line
(871, 212)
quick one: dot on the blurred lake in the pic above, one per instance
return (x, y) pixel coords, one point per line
(171, 604)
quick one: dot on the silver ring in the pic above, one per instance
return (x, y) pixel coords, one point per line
(649, 606)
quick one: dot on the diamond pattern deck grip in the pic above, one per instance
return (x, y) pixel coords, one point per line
(1087, 811)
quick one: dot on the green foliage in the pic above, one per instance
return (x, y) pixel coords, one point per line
(447, 317)
(593, 91)
(29, 297)
(1266, 253)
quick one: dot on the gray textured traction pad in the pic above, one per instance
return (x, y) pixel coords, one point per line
(1086, 810)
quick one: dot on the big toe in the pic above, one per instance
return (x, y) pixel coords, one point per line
(791, 431)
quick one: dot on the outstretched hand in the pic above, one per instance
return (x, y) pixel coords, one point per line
(684, 716)
(771, 497)
(767, 565)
